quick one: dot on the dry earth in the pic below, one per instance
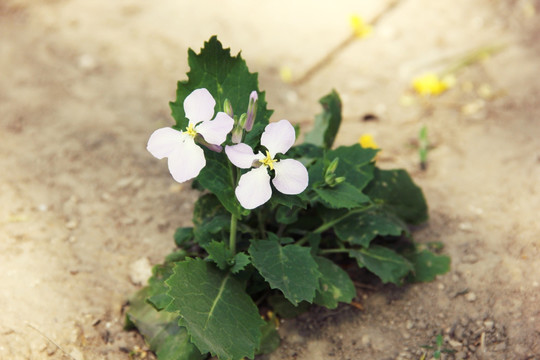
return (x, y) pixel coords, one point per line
(85, 209)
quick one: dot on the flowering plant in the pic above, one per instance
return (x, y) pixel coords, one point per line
(275, 223)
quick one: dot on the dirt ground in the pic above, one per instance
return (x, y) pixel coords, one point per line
(85, 210)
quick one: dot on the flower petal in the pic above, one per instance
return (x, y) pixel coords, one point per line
(278, 137)
(254, 188)
(242, 156)
(291, 177)
(199, 106)
(187, 160)
(163, 141)
(215, 131)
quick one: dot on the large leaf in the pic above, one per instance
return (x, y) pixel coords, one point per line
(207, 207)
(289, 268)
(336, 285)
(355, 164)
(208, 230)
(160, 330)
(383, 262)
(214, 307)
(326, 123)
(397, 192)
(270, 338)
(360, 229)
(225, 76)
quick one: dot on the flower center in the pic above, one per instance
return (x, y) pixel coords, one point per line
(268, 161)
(191, 131)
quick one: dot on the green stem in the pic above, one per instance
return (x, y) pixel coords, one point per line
(333, 222)
(232, 237)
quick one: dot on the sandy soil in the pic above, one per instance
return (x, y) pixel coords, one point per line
(85, 210)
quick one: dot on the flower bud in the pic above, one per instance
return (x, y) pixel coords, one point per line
(200, 140)
(227, 108)
(238, 129)
(331, 169)
(251, 111)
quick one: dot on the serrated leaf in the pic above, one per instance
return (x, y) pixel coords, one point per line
(306, 153)
(428, 265)
(241, 260)
(335, 285)
(341, 196)
(219, 253)
(157, 289)
(360, 229)
(286, 216)
(289, 201)
(383, 262)
(396, 191)
(183, 235)
(214, 307)
(224, 76)
(161, 331)
(353, 156)
(326, 123)
(289, 268)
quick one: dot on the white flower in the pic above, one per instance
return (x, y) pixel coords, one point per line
(185, 157)
(291, 177)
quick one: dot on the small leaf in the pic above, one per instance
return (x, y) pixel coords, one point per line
(327, 123)
(335, 285)
(219, 253)
(183, 235)
(214, 307)
(428, 265)
(241, 260)
(352, 156)
(160, 330)
(217, 177)
(207, 207)
(397, 192)
(289, 268)
(283, 307)
(286, 216)
(383, 262)
(341, 196)
(157, 289)
(270, 338)
(205, 232)
(362, 228)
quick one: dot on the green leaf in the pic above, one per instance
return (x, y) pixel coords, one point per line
(396, 191)
(157, 289)
(306, 153)
(383, 262)
(427, 265)
(214, 307)
(343, 195)
(183, 235)
(360, 229)
(289, 268)
(286, 216)
(270, 338)
(240, 260)
(207, 207)
(205, 232)
(160, 330)
(224, 76)
(219, 253)
(336, 285)
(217, 177)
(289, 201)
(326, 123)
(352, 156)
(283, 307)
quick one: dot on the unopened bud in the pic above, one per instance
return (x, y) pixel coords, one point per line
(332, 167)
(227, 108)
(216, 148)
(238, 129)
(251, 110)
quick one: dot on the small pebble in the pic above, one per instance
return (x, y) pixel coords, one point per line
(489, 325)
(72, 224)
(366, 341)
(409, 325)
(470, 297)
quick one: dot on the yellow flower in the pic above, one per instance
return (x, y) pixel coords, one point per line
(431, 84)
(359, 27)
(366, 141)
(285, 73)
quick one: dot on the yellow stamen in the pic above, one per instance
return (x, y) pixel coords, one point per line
(268, 161)
(191, 131)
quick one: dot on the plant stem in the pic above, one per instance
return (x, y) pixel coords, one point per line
(232, 237)
(332, 251)
(333, 222)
